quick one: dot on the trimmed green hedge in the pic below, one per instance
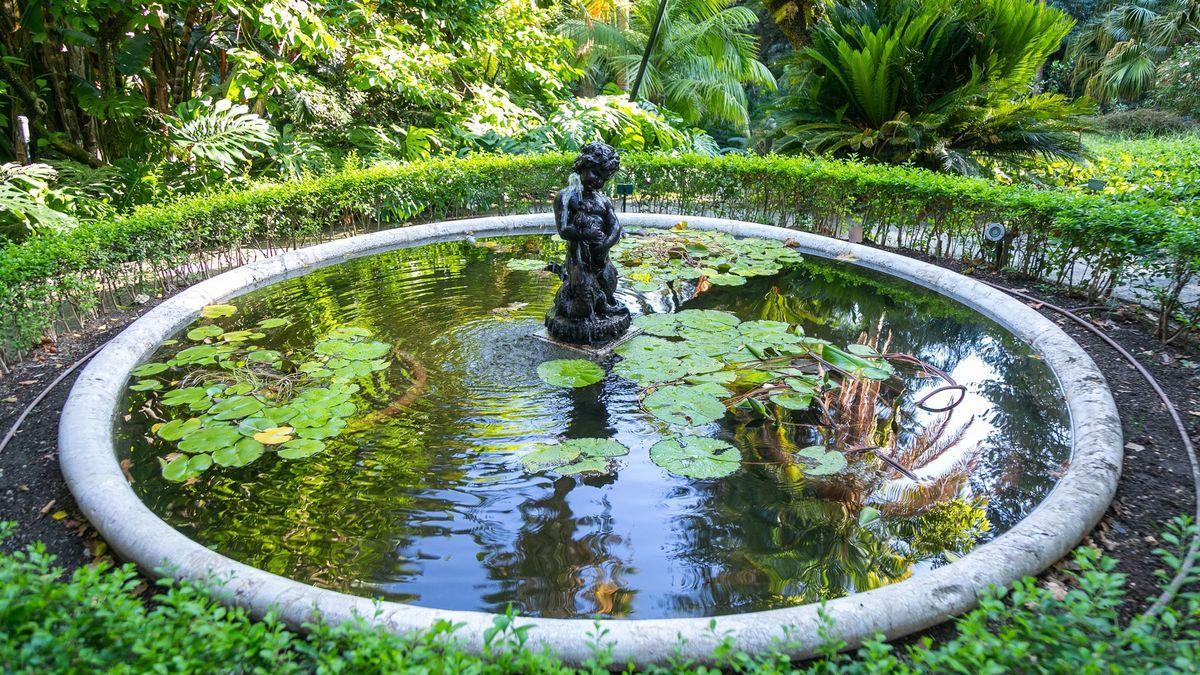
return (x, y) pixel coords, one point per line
(67, 275)
(94, 622)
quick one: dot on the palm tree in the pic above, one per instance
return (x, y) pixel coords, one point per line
(1116, 53)
(705, 57)
(940, 84)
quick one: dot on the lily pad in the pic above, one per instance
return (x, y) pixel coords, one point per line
(597, 447)
(204, 332)
(185, 396)
(585, 465)
(646, 345)
(274, 435)
(186, 467)
(707, 319)
(550, 456)
(210, 439)
(684, 405)
(240, 454)
(235, 407)
(663, 325)
(696, 457)
(570, 372)
(218, 311)
(146, 385)
(827, 463)
(301, 448)
(177, 429)
(647, 370)
(791, 400)
(267, 324)
(148, 369)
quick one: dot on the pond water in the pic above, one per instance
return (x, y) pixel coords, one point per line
(422, 498)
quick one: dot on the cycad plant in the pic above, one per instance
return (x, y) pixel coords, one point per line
(942, 84)
(705, 56)
(1116, 54)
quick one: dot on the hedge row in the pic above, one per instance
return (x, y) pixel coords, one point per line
(1080, 239)
(94, 621)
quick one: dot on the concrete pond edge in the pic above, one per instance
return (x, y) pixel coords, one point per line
(1083, 493)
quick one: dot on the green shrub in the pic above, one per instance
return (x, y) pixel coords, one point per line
(94, 621)
(1144, 122)
(73, 273)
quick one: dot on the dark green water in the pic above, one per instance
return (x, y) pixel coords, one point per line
(430, 506)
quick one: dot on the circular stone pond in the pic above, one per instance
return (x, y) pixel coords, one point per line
(798, 422)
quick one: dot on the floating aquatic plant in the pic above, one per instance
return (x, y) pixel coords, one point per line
(226, 402)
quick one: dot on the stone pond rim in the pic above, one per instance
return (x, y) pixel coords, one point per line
(1065, 516)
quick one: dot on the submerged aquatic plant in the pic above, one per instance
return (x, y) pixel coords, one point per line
(225, 401)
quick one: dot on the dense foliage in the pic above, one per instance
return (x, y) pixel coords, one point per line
(945, 85)
(65, 275)
(94, 620)
(705, 54)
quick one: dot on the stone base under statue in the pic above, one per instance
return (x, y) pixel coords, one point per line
(591, 351)
(597, 330)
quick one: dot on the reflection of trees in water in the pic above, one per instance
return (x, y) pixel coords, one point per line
(560, 564)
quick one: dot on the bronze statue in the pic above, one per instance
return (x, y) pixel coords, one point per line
(586, 310)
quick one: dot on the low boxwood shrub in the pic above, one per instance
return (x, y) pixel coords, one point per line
(94, 620)
(1085, 240)
(1144, 122)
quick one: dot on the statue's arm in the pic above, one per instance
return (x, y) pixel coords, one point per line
(565, 229)
(613, 226)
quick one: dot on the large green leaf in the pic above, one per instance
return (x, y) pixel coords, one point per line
(685, 405)
(570, 373)
(826, 463)
(696, 457)
(550, 456)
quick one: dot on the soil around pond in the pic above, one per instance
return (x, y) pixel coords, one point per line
(1155, 484)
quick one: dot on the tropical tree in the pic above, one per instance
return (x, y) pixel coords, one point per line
(705, 56)
(947, 85)
(1117, 53)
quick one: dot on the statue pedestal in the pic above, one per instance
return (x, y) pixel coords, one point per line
(590, 351)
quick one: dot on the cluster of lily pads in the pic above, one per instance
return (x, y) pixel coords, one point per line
(697, 365)
(658, 260)
(225, 401)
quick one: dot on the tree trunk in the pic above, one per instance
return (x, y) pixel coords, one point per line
(795, 18)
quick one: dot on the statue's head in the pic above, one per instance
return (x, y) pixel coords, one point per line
(596, 163)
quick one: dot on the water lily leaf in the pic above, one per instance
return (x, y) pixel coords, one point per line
(148, 369)
(367, 351)
(710, 320)
(698, 364)
(235, 407)
(726, 280)
(218, 311)
(827, 463)
(350, 331)
(328, 430)
(183, 468)
(792, 400)
(719, 377)
(210, 439)
(597, 447)
(862, 350)
(202, 354)
(649, 370)
(253, 425)
(550, 456)
(301, 448)
(278, 415)
(204, 332)
(526, 264)
(585, 465)
(241, 336)
(696, 457)
(684, 405)
(570, 372)
(274, 435)
(177, 429)
(767, 333)
(267, 324)
(344, 409)
(648, 346)
(186, 396)
(664, 325)
(240, 454)
(238, 389)
(146, 385)
(803, 384)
